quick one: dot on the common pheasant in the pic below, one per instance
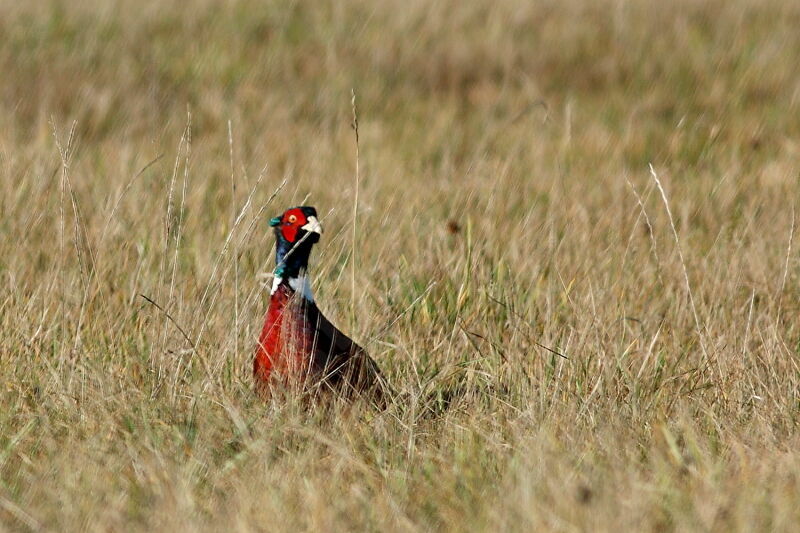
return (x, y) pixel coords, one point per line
(299, 348)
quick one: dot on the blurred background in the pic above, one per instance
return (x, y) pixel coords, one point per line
(504, 207)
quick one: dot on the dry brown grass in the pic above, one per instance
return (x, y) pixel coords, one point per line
(505, 204)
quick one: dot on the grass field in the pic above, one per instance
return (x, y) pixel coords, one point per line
(505, 208)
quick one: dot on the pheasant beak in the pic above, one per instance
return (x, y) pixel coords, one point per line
(313, 226)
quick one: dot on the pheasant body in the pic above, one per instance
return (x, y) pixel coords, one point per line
(286, 338)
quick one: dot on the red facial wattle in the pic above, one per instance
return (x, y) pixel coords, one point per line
(293, 220)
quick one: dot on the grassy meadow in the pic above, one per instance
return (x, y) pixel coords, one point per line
(498, 207)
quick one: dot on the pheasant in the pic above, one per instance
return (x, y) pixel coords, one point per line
(299, 348)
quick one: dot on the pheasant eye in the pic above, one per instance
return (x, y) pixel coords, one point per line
(292, 219)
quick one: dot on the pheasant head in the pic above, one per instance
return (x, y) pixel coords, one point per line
(296, 232)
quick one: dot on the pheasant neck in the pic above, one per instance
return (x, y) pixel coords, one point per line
(300, 284)
(291, 259)
(291, 265)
